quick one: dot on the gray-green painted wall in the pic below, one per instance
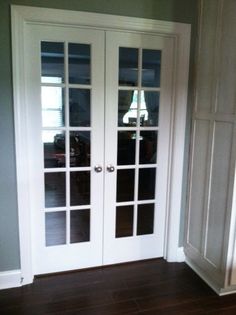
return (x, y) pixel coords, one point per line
(170, 10)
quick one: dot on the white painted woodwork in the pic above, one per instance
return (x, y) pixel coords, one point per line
(218, 192)
(139, 246)
(206, 53)
(10, 279)
(23, 18)
(227, 60)
(197, 191)
(68, 256)
(210, 225)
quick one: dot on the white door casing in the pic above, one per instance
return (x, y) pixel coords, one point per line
(24, 18)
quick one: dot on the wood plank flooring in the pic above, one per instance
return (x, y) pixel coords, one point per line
(152, 287)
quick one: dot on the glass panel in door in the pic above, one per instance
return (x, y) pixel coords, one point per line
(66, 146)
(137, 137)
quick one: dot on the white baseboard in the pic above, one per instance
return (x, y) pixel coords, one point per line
(10, 279)
(180, 255)
(204, 277)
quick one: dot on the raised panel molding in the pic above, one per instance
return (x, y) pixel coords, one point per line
(210, 249)
(218, 193)
(197, 191)
(207, 46)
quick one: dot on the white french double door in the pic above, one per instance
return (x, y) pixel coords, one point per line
(99, 109)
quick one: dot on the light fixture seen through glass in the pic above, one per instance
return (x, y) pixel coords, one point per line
(132, 113)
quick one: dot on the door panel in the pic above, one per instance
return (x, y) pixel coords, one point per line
(67, 141)
(137, 136)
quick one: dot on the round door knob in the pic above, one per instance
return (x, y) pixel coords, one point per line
(110, 168)
(98, 168)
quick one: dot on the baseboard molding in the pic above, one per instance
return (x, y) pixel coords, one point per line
(204, 277)
(180, 255)
(10, 279)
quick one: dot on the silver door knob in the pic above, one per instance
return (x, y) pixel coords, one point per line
(98, 168)
(110, 168)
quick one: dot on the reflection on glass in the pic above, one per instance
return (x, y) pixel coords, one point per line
(151, 68)
(79, 226)
(145, 219)
(55, 228)
(53, 108)
(79, 64)
(152, 108)
(125, 185)
(124, 221)
(54, 148)
(52, 62)
(131, 115)
(127, 116)
(132, 102)
(79, 101)
(148, 147)
(79, 188)
(55, 191)
(147, 179)
(128, 66)
(126, 147)
(79, 148)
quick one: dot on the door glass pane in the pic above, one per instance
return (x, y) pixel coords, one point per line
(52, 62)
(124, 221)
(55, 228)
(147, 179)
(79, 64)
(126, 147)
(54, 148)
(145, 219)
(79, 188)
(125, 185)
(150, 111)
(127, 108)
(79, 226)
(55, 192)
(53, 108)
(128, 66)
(151, 68)
(148, 147)
(79, 148)
(79, 101)
(143, 113)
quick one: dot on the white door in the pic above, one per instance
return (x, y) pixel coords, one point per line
(137, 137)
(99, 108)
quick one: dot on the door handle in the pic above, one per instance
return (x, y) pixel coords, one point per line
(110, 168)
(98, 168)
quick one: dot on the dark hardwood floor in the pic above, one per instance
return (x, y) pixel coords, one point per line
(144, 288)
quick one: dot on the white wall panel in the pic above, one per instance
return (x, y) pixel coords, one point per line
(198, 183)
(227, 64)
(221, 156)
(211, 221)
(207, 43)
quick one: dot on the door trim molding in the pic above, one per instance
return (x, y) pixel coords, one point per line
(24, 15)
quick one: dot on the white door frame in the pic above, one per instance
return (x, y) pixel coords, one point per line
(23, 16)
